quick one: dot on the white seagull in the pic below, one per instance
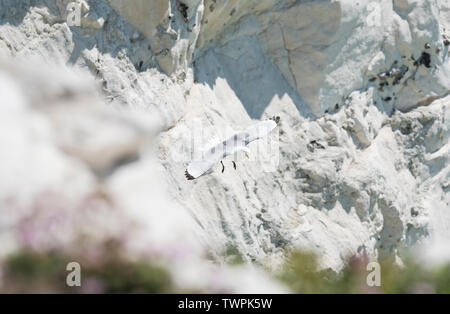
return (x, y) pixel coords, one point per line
(234, 144)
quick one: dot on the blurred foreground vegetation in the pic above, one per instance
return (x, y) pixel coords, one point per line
(298, 273)
(31, 272)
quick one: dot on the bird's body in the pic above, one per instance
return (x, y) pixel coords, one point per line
(233, 144)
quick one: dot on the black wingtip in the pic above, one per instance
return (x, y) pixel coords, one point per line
(276, 119)
(188, 175)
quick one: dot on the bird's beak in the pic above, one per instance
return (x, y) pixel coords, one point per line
(246, 155)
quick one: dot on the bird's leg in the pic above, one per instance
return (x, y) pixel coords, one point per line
(234, 165)
(223, 167)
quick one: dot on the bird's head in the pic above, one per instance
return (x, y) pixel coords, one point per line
(246, 151)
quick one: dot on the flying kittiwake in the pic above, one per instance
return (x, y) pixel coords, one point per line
(233, 144)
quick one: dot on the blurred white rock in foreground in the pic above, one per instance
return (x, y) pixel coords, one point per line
(76, 172)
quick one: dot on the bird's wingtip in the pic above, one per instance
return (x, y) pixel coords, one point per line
(276, 119)
(188, 175)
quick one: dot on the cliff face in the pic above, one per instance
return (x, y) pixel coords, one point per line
(362, 90)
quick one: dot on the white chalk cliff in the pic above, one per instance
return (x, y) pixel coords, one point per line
(107, 112)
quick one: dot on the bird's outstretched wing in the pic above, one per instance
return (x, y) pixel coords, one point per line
(198, 167)
(258, 130)
(233, 144)
(211, 157)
